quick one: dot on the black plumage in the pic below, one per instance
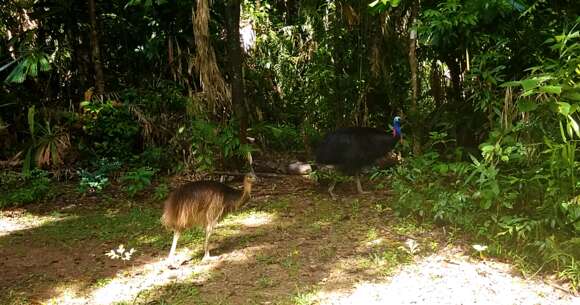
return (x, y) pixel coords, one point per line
(351, 149)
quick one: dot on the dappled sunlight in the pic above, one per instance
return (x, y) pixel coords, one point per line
(150, 274)
(127, 285)
(448, 277)
(11, 222)
(250, 219)
(256, 220)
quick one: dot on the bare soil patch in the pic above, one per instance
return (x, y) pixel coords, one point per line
(291, 245)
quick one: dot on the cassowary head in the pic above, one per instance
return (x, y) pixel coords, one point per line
(397, 127)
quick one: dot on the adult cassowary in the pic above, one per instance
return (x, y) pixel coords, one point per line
(351, 149)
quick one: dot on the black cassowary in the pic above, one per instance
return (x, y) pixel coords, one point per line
(351, 149)
(202, 203)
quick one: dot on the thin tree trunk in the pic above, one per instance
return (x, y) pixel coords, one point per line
(436, 84)
(211, 79)
(414, 81)
(235, 59)
(96, 54)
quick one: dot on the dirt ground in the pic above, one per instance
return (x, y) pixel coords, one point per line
(290, 245)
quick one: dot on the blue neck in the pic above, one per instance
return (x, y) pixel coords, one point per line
(397, 128)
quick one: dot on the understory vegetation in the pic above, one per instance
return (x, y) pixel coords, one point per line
(123, 94)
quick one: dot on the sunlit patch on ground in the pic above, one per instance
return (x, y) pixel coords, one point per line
(128, 285)
(13, 221)
(257, 219)
(249, 219)
(450, 277)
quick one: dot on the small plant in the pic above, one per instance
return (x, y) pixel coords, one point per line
(161, 191)
(92, 182)
(480, 249)
(121, 253)
(304, 298)
(97, 180)
(412, 246)
(265, 282)
(137, 180)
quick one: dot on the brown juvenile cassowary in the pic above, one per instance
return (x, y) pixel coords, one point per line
(351, 149)
(203, 204)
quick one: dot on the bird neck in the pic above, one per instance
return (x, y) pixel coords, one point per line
(246, 194)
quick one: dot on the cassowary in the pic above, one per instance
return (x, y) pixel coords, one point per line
(202, 203)
(351, 149)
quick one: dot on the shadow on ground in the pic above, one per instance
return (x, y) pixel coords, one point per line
(290, 241)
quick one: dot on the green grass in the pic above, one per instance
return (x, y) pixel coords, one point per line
(173, 294)
(353, 222)
(265, 282)
(102, 225)
(304, 297)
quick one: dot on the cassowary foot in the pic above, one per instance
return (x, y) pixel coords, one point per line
(174, 263)
(208, 258)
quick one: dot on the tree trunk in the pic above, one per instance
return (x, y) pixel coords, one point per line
(414, 82)
(235, 59)
(455, 73)
(96, 54)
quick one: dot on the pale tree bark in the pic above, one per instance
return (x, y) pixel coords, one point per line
(96, 53)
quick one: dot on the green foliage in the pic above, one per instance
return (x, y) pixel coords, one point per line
(28, 67)
(98, 179)
(161, 191)
(17, 189)
(137, 180)
(111, 130)
(211, 143)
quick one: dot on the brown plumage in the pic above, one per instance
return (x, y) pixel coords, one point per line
(203, 204)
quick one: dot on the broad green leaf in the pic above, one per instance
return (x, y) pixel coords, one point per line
(574, 126)
(551, 89)
(571, 95)
(528, 84)
(511, 84)
(31, 113)
(562, 132)
(27, 162)
(564, 108)
(526, 105)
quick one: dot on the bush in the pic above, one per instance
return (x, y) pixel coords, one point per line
(137, 180)
(17, 189)
(111, 131)
(96, 180)
(210, 145)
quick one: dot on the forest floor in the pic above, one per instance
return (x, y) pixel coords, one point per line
(290, 245)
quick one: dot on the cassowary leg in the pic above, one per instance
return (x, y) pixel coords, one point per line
(358, 185)
(208, 231)
(331, 188)
(173, 245)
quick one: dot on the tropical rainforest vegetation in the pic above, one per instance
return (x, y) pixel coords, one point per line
(128, 92)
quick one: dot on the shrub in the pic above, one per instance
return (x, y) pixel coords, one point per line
(17, 189)
(137, 180)
(111, 130)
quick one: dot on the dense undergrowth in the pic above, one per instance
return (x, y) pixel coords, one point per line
(536, 229)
